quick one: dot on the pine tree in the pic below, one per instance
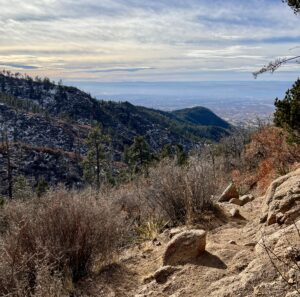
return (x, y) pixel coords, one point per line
(94, 162)
(42, 187)
(22, 188)
(294, 4)
(287, 113)
(9, 167)
(138, 156)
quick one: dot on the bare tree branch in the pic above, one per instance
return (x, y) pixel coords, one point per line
(274, 65)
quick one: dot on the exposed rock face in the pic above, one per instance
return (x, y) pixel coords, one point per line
(185, 246)
(282, 200)
(229, 193)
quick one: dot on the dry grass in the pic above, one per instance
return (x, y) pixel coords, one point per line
(179, 194)
(63, 236)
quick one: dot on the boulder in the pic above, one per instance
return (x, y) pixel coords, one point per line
(184, 246)
(229, 193)
(282, 200)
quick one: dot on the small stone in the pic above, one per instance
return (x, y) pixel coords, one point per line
(156, 242)
(234, 212)
(280, 218)
(246, 199)
(291, 281)
(236, 201)
(263, 219)
(271, 219)
(162, 274)
(232, 242)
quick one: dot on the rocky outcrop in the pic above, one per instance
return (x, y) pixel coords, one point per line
(184, 247)
(229, 193)
(282, 200)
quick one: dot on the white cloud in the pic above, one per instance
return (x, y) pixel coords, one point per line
(74, 38)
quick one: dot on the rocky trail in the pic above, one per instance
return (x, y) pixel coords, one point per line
(234, 263)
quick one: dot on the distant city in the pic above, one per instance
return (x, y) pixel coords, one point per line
(239, 102)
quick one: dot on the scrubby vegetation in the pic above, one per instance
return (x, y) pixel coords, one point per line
(268, 155)
(50, 243)
(61, 238)
(52, 239)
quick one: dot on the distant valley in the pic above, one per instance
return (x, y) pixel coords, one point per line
(239, 102)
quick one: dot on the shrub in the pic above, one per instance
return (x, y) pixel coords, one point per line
(65, 233)
(267, 156)
(22, 188)
(180, 194)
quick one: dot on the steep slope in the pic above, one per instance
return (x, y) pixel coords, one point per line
(54, 120)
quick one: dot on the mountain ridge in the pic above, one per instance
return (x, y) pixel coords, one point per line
(40, 114)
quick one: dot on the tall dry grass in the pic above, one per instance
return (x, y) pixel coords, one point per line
(175, 194)
(46, 241)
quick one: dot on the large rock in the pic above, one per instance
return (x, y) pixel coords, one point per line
(229, 193)
(185, 246)
(282, 200)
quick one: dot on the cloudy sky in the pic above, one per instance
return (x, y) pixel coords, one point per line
(156, 40)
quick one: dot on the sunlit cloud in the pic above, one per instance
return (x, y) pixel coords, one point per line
(117, 40)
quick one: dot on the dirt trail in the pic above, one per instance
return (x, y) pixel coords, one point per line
(233, 265)
(230, 249)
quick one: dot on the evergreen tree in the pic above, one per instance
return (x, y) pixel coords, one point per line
(287, 113)
(9, 167)
(42, 187)
(167, 151)
(181, 155)
(171, 151)
(138, 156)
(294, 4)
(94, 162)
(22, 188)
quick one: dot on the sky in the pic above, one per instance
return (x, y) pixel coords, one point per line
(155, 40)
